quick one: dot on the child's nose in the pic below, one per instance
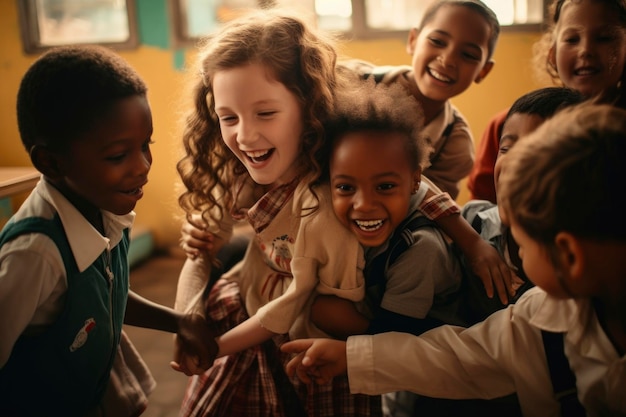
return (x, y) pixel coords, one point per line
(446, 58)
(143, 162)
(245, 132)
(586, 48)
(363, 200)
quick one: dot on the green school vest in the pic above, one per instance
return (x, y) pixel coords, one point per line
(65, 370)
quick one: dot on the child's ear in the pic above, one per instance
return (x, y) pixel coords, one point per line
(417, 179)
(484, 71)
(412, 40)
(46, 161)
(570, 255)
(552, 58)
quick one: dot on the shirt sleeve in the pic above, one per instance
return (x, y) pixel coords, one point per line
(32, 282)
(480, 181)
(413, 277)
(482, 361)
(440, 205)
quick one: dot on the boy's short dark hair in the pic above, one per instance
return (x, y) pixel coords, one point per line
(475, 5)
(545, 102)
(64, 92)
(568, 175)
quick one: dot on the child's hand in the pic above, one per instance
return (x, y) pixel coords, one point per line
(195, 346)
(487, 263)
(194, 239)
(318, 360)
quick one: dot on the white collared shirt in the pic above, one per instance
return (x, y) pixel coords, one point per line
(494, 358)
(32, 274)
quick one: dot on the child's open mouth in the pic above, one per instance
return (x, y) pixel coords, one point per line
(369, 225)
(259, 156)
(439, 76)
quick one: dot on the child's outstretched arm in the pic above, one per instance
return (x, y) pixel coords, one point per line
(243, 336)
(484, 259)
(195, 343)
(317, 360)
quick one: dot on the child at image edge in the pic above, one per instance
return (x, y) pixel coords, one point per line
(84, 118)
(571, 248)
(584, 48)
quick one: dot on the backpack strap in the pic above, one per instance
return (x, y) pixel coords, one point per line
(445, 135)
(563, 379)
(401, 239)
(377, 73)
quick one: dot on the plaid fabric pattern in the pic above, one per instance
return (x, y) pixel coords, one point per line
(250, 384)
(264, 211)
(440, 205)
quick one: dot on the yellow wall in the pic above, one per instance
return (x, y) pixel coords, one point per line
(510, 78)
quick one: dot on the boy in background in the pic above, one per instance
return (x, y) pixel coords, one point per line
(451, 49)
(525, 115)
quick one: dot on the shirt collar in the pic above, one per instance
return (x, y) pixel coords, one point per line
(434, 130)
(86, 243)
(578, 320)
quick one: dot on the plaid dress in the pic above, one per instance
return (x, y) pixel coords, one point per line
(252, 383)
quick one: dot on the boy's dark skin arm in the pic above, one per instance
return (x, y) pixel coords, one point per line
(340, 319)
(194, 342)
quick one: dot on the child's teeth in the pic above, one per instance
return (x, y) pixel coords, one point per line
(439, 76)
(369, 225)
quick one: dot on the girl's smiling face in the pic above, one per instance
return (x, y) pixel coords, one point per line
(260, 121)
(371, 183)
(589, 51)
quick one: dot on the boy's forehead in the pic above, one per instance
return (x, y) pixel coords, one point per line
(521, 124)
(473, 26)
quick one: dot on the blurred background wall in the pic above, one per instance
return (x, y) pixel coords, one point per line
(162, 67)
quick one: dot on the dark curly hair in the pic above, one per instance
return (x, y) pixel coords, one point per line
(367, 106)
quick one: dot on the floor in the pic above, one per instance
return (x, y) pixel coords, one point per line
(155, 279)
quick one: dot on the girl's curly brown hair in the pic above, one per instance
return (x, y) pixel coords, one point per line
(302, 60)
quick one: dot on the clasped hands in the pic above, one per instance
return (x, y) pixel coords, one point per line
(195, 347)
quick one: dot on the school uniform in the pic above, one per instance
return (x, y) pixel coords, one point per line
(497, 357)
(63, 294)
(296, 254)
